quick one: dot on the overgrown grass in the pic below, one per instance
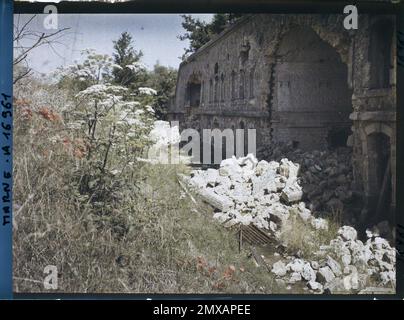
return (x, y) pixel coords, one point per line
(152, 238)
(300, 237)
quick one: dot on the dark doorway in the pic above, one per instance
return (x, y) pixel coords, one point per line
(194, 94)
(379, 176)
(242, 126)
(337, 137)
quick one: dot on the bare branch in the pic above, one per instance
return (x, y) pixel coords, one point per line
(35, 39)
(43, 38)
(23, 27)
(22, 75)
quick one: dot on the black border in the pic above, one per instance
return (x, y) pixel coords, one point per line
(210, 6)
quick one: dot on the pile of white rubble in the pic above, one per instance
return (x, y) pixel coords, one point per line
(265, 194)
(346, 265)
(246, 191)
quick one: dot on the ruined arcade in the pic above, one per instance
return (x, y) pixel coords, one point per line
(306, 81)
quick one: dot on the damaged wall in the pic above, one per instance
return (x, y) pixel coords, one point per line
(302, 79)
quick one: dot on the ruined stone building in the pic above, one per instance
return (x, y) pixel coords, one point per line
(303, 79)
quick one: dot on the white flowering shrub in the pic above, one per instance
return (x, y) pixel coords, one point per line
(147, 91)
(114, 123)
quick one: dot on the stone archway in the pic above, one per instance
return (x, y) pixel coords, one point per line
(311, 96)
(193, 90)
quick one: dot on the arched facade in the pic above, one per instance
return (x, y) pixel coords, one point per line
(303, 79)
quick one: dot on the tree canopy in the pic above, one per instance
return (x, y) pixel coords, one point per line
(163, 80)
(127, 68)
(199, 32)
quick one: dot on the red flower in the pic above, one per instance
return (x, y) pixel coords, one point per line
(50, 115)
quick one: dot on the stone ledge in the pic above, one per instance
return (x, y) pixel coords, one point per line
(247, 114)
(373, 116)
(373, 93)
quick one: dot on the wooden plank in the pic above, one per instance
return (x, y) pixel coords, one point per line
(254, 235)
(259, 259)
(240, 239)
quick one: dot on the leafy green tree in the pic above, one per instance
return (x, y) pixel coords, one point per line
(163, 80)
(198, 32)
(221, 20)
(128, 70)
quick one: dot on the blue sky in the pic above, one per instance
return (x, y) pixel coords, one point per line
(154, 34)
